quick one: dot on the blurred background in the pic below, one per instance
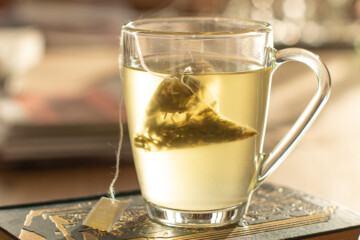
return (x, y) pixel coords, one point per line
(60, 85)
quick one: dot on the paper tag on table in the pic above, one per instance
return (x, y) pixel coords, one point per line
(105, 213)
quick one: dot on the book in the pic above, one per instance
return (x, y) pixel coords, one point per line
(275, 212)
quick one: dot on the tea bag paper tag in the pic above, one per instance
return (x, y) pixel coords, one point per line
(105, 213)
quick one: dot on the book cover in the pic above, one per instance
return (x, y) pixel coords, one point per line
(275, 212)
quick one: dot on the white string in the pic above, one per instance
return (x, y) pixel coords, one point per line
(118, 151)
(141, 58)
(117, 167)
(186, 70)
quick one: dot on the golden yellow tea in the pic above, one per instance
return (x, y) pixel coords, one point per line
(196, 130)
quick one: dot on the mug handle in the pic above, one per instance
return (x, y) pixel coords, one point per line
(269, 162)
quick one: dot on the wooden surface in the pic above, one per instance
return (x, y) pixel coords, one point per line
(34, 185)
(347, 235)
(326, 162)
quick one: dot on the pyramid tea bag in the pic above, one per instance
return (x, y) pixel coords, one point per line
(181, 113)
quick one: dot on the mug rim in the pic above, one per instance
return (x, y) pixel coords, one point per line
(258, 26)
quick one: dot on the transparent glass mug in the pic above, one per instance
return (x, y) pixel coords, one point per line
(197, 95)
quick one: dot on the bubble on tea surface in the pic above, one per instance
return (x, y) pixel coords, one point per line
(181, 113)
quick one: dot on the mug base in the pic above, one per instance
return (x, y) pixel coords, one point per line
(195, 219)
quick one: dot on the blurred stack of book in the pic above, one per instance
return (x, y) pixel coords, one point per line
(57, 102)
(36, 127)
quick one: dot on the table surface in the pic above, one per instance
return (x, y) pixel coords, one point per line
(325, 163)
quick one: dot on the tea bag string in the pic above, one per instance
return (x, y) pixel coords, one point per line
(118, 151)
(145, 67)
(141, 57)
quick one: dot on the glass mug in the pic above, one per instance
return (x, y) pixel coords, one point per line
(197, 94)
